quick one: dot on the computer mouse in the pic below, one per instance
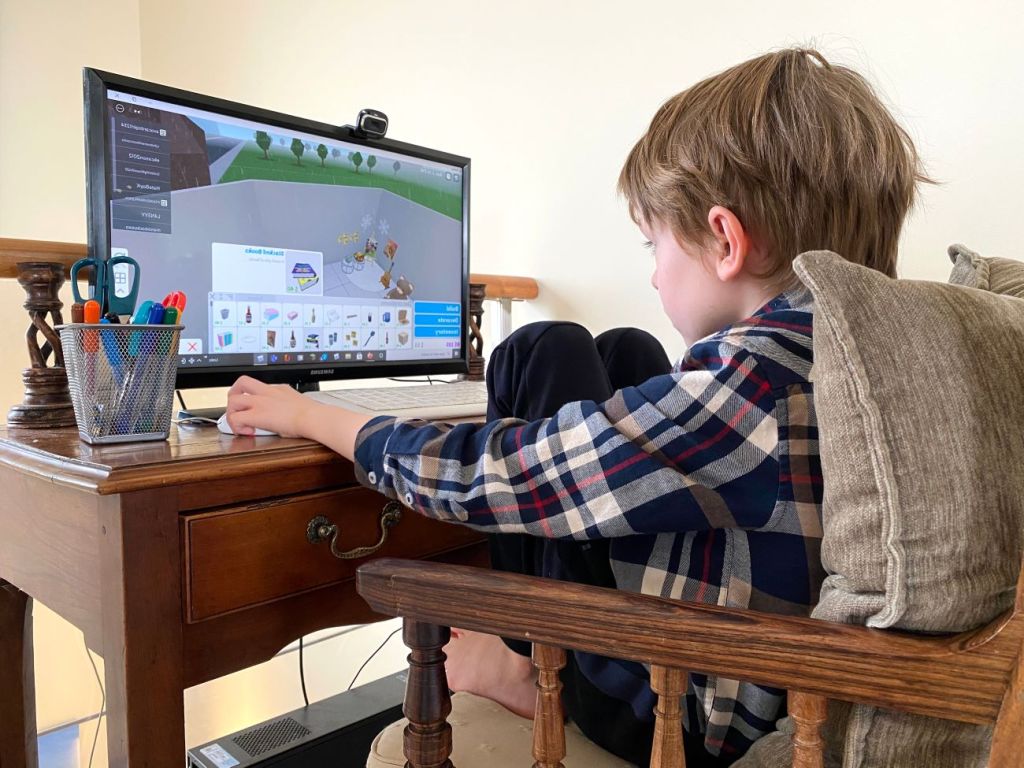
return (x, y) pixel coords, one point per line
(223, 426)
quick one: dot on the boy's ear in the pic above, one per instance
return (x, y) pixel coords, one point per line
(732, 241)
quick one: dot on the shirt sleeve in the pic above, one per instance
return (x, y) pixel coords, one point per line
(691, 450)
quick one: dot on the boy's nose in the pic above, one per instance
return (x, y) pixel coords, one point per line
(654, 279)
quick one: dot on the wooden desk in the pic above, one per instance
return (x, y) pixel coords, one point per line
(181, 561)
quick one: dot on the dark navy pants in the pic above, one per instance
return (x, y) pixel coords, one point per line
(530, 375)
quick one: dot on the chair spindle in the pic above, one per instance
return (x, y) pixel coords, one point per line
(428, 737)
(670, 685)
(808, 712)
(548, 725)
(1008, 737)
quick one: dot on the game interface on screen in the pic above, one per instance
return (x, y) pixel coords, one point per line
(290, 247)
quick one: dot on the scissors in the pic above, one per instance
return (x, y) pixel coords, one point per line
(114, 283)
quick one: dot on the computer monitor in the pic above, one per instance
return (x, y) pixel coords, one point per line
(306, 251)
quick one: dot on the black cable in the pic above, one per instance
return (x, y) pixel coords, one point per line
(302, 674)
(181, 400)
(359, 671)
(103, 702)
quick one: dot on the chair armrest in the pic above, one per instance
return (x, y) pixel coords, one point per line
(962, 677)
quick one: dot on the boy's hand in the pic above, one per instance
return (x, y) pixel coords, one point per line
(281, 409)
(277, 407)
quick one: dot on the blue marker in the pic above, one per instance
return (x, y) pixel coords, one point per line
(142, 313)
(141, 316)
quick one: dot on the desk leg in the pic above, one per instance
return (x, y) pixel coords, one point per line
(142, 635)
(18, 748)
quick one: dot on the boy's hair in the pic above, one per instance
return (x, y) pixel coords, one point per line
(801, 150)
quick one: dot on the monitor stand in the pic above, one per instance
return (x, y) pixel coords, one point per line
(216, 412)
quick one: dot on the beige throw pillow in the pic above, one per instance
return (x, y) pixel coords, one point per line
(919, 395)
(1003, 276)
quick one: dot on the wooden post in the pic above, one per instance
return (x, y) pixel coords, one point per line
(18, 748)
(476, 336)
(142, 643)
(47, 401)
(670, 685)
(548, 725)
(808, 713)
(428, 736)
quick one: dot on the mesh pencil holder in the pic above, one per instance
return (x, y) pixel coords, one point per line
(121, 379)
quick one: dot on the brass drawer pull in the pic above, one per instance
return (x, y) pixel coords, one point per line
(320, 529)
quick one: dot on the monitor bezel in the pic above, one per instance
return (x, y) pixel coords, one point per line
(96, 83)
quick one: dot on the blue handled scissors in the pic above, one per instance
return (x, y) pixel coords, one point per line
(114, 283)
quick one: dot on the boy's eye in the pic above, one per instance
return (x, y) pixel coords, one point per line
(648, 245)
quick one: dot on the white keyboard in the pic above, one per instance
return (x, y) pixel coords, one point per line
(460, 399)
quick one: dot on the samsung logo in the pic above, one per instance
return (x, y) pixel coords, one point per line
(321, 371)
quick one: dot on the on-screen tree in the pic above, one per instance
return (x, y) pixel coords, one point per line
(263, 142)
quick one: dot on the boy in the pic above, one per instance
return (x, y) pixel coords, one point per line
(702, 483)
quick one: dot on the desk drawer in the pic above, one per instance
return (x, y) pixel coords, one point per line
(244, 556)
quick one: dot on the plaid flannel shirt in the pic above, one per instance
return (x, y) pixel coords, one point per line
(707, 480)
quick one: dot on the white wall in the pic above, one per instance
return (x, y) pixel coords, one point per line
(43, 47)
(546, 98)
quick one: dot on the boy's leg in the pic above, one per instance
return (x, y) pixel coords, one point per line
(534, 372)
(530, 375)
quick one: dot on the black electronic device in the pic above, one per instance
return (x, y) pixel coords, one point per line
(333, 733)
(371, 123)
(307, 251)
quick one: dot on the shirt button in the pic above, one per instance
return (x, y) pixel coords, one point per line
(408, 499)
(372, 477)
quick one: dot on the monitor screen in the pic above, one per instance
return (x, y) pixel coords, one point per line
(305, 251)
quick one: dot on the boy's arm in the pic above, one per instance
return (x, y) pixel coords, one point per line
(685, 451)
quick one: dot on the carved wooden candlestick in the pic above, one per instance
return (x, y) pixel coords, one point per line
(476, 338)
(47, 399)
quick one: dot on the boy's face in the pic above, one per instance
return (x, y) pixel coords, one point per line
(695, 299)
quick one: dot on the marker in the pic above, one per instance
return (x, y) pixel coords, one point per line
(78, 312)
(170, 318)
(176, 299)
(91, 315)
(142, 313)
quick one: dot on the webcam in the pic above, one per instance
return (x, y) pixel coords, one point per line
(371, 123)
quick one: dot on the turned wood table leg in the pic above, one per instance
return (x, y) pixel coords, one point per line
(428, 737)
(548, 725)
(18, 747)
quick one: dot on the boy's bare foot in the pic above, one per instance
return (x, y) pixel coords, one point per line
(484, 665)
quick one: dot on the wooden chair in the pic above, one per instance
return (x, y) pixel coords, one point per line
(974, 677)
